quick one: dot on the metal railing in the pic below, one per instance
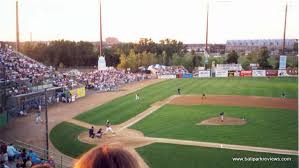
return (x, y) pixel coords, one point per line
(60, 160)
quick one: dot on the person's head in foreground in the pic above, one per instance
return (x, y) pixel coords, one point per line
(107, 157)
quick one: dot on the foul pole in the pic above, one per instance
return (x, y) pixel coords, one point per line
(207, 27)
(101, 43)
(284, 29)
(17, 26)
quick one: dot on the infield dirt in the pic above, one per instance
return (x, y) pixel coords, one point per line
(241, 101)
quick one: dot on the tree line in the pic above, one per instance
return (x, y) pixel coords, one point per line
(64, 53)
(61, 53)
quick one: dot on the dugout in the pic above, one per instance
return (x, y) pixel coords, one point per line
(30, 101)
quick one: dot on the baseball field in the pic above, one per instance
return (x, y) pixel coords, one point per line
(170, 130)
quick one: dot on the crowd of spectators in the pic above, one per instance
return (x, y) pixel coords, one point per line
(170, 70)
(20, 158)
(107, 80)
(26, 72)
(23, 71)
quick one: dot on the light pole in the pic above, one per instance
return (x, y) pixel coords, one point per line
(47, 129)
(101, 43)
(17, 26)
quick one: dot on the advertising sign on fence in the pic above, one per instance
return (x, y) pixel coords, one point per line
(166, 76)
(246, 73)
(282, 73)
(259, 73)
(292, 71)
(187, 75)
(221, 73)
(79, 92)
(203, 74)
(271, 73)
(231, 73)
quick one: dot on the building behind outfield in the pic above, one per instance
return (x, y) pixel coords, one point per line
(274, 45)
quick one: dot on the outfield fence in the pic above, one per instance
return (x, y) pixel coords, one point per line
(234, 73)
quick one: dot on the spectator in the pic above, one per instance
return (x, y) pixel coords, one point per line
(20, 163)
(12, 152)
(23, 155)
(3, 165)
(106, 157)
(28, 163)
(33, 157)
(51, 162)
(3, 156)
(170, 70)
(3, 147)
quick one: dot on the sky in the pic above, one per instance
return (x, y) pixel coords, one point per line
(130, 20)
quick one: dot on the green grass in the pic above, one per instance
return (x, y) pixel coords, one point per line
(179, 156)
(276, 128)
(125, 107)
(64, 137)
(171, 123)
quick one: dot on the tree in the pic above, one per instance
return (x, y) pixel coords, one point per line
(147, 59)
(196, 61)
(263, 57)
(111, 56)
(246, 65)
(132, 61)
(217, 60)
(187, 61)
(177, 59)
(164, 58)
(123, 62)
(252, 57)
(232, 57)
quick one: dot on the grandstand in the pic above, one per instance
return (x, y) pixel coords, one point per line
(24, 81)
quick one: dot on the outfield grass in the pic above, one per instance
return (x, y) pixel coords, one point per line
(125, 107)
(276, 128)
(64, 137)
(284, 135)
(179, 156)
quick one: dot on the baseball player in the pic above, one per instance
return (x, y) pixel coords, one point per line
(222, 116)
(179, 91)
(38, 117)
(137, 97)
(203, 96)
(108, 127)
(283, 95)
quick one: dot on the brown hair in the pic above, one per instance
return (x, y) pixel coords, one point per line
(107, 157)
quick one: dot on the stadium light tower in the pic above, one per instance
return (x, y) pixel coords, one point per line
(284, 29)
(207, 27)
(17, 26)
(206, 53)
(101, 58)
(101, 43)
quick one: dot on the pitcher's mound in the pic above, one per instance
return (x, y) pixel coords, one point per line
(226, 121)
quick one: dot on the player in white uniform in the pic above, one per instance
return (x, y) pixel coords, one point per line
(222, 116)
(137, 97)
(38, 117)
(108, 127)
